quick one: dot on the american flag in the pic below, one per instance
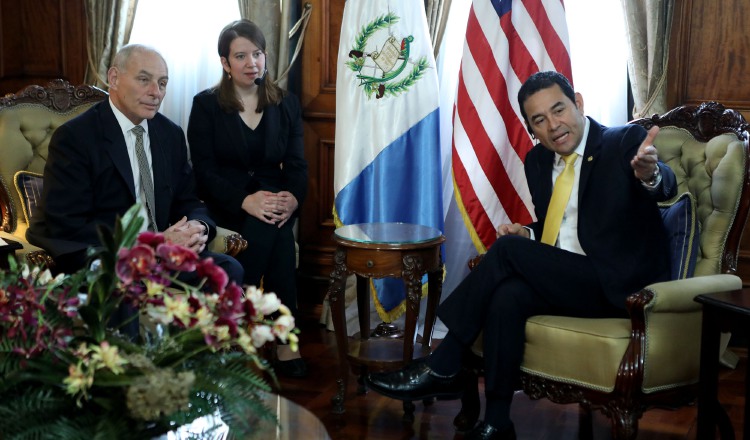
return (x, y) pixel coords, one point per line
(506, 42)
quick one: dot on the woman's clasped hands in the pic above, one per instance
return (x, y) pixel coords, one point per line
(269, 207)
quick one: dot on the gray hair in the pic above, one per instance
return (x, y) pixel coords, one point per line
(123, 55)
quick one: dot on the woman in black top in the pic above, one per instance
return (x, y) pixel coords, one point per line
(246, 144)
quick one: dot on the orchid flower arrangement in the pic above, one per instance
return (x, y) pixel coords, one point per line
(66, 372)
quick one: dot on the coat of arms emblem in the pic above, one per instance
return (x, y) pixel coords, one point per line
(382, 70)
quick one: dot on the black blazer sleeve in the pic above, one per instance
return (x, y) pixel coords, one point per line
(294, 165)
(68, 219)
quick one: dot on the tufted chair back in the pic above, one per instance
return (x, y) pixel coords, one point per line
(27, 121)
(706, 148)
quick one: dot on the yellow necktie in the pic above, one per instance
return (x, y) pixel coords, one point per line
(559, 200)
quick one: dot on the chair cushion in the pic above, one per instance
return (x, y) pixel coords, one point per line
(682, 229)
(29, 187)
(560, 347)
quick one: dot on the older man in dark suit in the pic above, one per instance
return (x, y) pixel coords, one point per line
(119, 152)
(598, 238)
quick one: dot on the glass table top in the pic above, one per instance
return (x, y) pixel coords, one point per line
(388, 233)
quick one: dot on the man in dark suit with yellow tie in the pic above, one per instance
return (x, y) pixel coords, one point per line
(598, 238)
(119, 152)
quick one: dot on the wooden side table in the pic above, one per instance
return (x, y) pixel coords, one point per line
(8, 250)
(379, 250)
(719, 310)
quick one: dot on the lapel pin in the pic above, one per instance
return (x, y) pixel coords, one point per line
(590, 158)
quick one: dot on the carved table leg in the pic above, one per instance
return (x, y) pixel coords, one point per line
(434, 291)
(336, 300)
(363, 306)
(412, 276)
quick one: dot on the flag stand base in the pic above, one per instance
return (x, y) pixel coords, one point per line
(387, 330)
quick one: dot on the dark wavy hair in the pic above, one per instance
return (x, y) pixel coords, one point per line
(268, 92)
(540, 81)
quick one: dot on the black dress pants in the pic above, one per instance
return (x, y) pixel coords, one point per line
(270, 256)
(516, 279)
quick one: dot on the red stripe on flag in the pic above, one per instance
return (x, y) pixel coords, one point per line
(555, 47)
(473, 208)
(519, 57)
(497, 87)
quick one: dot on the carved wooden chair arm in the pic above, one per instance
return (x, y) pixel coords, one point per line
(235, 244)
(41, 259)
(475, 261)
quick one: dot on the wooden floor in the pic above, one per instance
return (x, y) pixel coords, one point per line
(374, 417)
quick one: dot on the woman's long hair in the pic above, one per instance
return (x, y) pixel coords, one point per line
(268, 92)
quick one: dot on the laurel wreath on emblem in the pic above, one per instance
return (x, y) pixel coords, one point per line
(391, 60)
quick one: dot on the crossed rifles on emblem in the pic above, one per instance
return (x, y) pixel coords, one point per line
(385, 60)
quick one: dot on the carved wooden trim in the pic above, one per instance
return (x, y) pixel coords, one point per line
(631, 371)
(7, 212)
(413, 268)
(234, 244)
(337, 281)
(58, 95)
(703, 121)
(40, 259)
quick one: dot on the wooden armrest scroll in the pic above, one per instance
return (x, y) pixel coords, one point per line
(475, 261)
(41, 259)
(235, 244)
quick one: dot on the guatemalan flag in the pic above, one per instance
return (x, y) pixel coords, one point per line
(387, 162)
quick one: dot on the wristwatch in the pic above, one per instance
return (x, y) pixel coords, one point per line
(655, 179)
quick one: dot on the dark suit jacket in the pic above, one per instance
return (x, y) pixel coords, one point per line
(88, 181)
(223, 168)
(619, 224)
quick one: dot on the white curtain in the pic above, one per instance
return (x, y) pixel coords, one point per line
(648, 25)
(599, 54)
(186, 32)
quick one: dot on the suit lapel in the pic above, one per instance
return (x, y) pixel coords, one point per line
(115, 145)
(590, 156)
(545, 169)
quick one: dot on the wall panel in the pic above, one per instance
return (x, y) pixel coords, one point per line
(318, 98)
(41, 40)
(709, 61)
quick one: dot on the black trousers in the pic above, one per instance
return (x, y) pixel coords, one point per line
(270, 256)
(516, 279)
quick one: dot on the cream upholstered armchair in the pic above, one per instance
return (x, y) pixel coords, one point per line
(625, 366)
(27, 121)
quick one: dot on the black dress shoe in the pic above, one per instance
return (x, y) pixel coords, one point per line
(292, 368)
(416, 381)
(484, 431)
